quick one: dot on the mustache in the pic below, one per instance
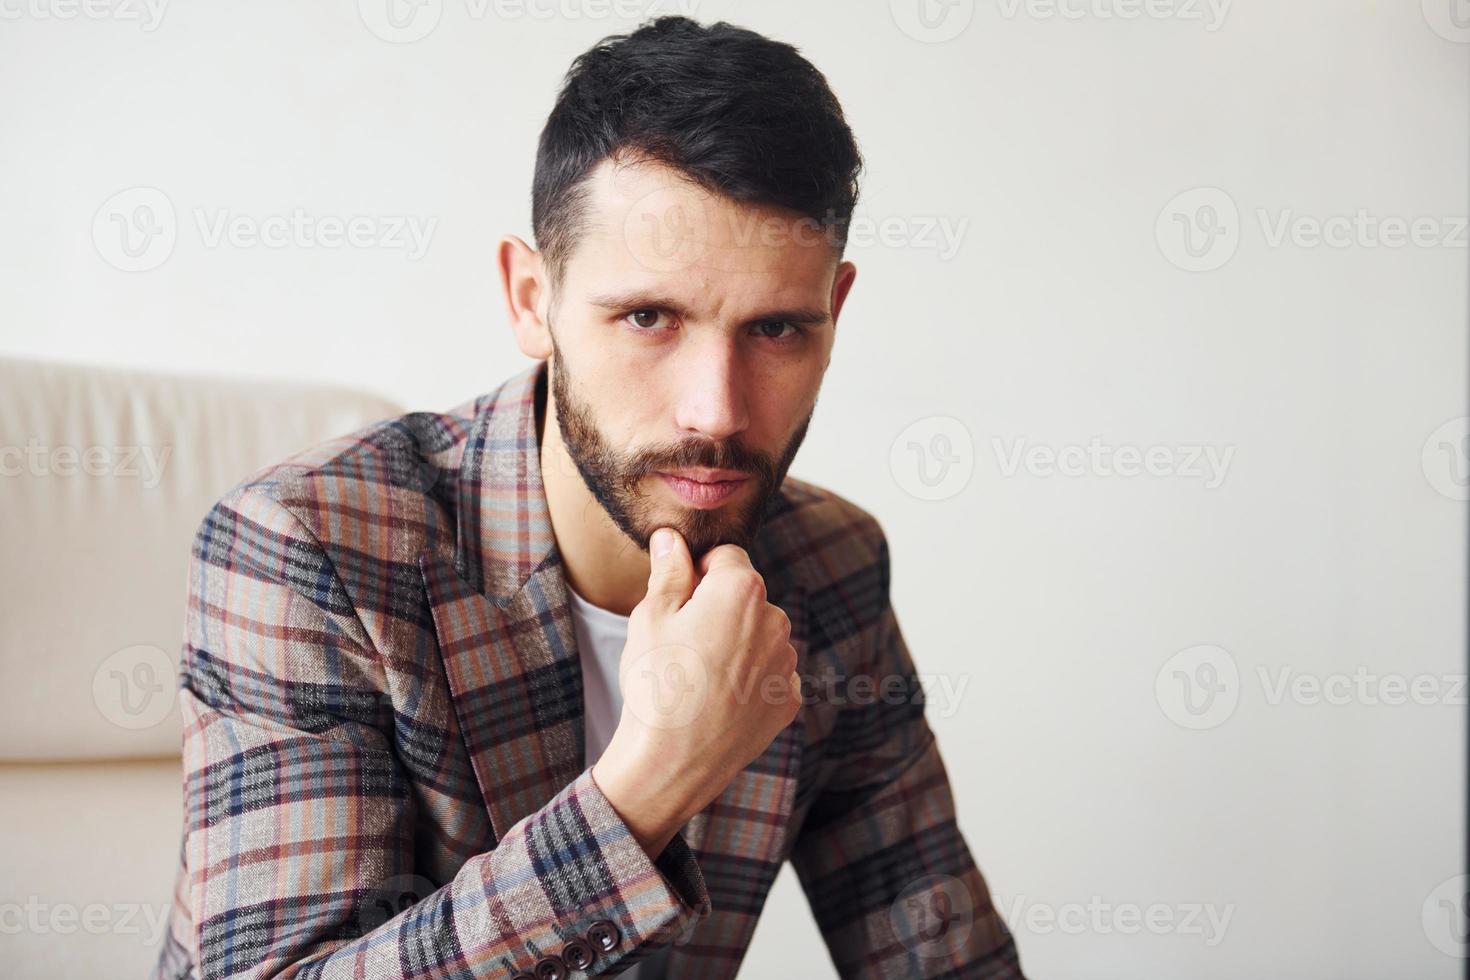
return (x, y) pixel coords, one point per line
(699, 452)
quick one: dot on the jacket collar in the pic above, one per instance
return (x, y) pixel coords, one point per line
(504, 523)
(505, 633)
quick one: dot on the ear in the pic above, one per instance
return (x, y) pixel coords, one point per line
(523, 278)
(841, 284)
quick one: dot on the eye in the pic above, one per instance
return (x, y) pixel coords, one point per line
(772, 330)
(643, 321)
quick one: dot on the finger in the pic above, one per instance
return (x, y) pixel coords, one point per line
(724, 554)
(670, 571)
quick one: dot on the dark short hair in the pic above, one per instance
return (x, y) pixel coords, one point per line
(736, 112)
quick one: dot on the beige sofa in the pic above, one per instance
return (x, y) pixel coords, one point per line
(104, 477)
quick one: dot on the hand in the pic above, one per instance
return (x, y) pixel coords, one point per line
(708, 680)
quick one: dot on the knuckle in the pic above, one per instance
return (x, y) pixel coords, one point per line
(783, 621)
(728, 553)
(777, 624)
(752, 587)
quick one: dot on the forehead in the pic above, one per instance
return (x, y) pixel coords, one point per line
(648, 226)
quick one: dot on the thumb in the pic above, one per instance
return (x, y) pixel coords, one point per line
(671, 571)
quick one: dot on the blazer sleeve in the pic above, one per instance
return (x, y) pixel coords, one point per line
(298, 837)
(890, 880)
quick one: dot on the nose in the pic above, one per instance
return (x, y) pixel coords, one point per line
(712, 391)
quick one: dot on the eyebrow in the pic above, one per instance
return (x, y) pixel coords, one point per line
(649, 301)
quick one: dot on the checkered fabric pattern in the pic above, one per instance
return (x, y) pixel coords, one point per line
(382, 751)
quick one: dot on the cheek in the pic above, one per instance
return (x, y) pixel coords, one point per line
(632, 418)
(620, 376)
(606, 381)
(777, 413)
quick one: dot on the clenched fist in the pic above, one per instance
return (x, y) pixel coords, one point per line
(708, 677)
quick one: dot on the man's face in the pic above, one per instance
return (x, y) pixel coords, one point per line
(690, 337)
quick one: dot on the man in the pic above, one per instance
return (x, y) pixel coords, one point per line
(454, 709)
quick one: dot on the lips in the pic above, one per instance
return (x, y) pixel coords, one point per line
(704, 474)
(704, 488)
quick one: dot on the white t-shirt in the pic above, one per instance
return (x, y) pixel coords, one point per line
(601, 634)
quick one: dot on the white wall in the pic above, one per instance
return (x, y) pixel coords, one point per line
(1328, 543)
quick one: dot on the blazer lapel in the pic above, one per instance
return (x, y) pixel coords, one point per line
(502, 617)
(505, 633)
(517, 688)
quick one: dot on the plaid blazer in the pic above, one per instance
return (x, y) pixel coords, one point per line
(383, 723)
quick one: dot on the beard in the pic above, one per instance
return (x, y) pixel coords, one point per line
(615, 479)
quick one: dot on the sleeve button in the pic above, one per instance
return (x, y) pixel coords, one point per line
(577, 954)
(551, 968)
(603, 934)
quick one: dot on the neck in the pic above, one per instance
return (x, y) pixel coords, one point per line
(600, 561)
